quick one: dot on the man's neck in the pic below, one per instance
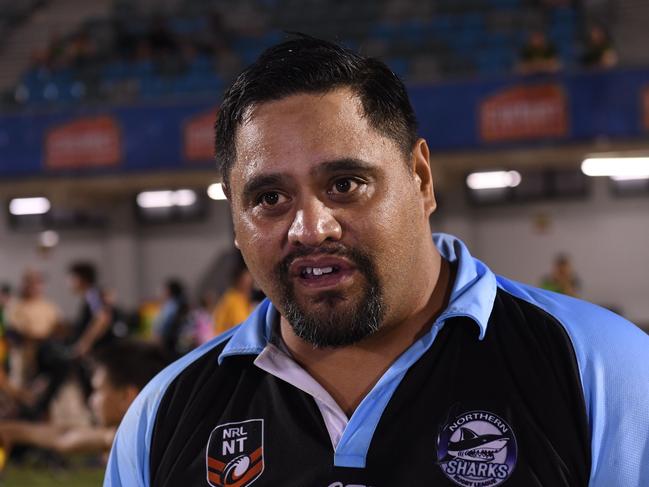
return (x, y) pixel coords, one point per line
(349, 373)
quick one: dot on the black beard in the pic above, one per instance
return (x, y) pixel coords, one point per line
(340, 325)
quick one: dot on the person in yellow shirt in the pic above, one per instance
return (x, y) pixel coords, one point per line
(235, 305)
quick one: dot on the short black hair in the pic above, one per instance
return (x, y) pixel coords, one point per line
(309, 65)
(130, 362)
(175, 287)
(84, 271)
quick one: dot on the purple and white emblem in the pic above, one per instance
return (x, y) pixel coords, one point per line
(477, 449)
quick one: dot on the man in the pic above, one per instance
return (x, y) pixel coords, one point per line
(121, 370)
(172, 317)
(91, 329)
(538, 55)
(382, 357)
(92, 326)
(33, 320)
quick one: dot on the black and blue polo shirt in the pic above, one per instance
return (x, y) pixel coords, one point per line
(512, 385)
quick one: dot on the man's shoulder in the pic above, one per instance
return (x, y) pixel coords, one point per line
(613, 363)
(584, 321)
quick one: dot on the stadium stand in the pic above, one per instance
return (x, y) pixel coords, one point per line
(42, 23)
(125, 50)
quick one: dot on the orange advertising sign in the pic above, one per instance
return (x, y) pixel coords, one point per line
(198, 137)
(524, 112)
(84, 143)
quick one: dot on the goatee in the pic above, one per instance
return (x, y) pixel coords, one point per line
(340, 323)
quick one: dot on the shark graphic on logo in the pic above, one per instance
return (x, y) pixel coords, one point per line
(479, 448)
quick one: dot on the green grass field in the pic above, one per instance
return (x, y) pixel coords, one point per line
(15, 476)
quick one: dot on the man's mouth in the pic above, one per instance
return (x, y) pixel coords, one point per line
(321, 272)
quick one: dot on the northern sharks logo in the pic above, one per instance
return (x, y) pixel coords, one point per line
(477, 449)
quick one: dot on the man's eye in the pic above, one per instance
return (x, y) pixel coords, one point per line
(270, 198)
(342, 186)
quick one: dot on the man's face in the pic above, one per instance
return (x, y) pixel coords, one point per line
(330, 215)
(108, 402)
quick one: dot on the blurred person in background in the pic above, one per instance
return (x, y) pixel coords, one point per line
(92, 326)
(236, 303)
(11, 396)
(172, 318)
(563, 278)
(201, 318)
(598, 49)
(5, 299)
(33, 320)
(120, 370)
(538, 55)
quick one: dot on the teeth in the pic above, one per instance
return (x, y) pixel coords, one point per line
(318, 271)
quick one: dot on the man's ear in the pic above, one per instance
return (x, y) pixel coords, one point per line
(423, 175)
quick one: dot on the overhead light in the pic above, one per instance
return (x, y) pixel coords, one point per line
(48, 239)
(184, 197)
(166, 198)
(29, 206)
(215, 191)
(618, 168)
(493, 180)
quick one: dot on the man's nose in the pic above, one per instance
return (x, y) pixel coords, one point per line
(313, 224)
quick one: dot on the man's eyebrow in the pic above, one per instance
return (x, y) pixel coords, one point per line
(340, 165)
(259, 182)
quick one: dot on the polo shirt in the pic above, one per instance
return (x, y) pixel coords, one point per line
(511, 385)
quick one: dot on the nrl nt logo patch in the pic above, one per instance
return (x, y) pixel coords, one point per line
(235, 454)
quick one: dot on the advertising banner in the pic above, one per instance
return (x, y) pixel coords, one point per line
(84, 143)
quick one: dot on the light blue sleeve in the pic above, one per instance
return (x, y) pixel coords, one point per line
(613, 359)
(128, 463)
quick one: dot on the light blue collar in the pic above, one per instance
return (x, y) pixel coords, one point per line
(474, 289)
(473, 294)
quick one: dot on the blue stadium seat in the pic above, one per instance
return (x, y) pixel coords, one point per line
(116, 70)
(185, 26)
(142, 68)
(202, 64)
(152, 86)
(413, 31)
